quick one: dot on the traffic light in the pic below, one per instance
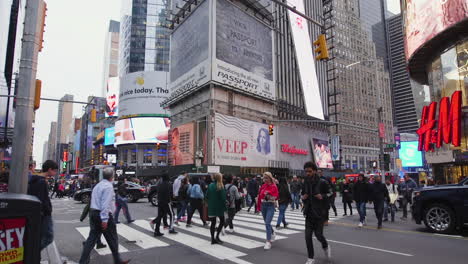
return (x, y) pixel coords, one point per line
(321, 49)
(270, 130)
(65, 156)
(93, 115)
(158, 146)
(37, 95)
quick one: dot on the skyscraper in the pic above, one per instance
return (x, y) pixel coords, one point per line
(64, 123)
(111, 54)
(52, 147)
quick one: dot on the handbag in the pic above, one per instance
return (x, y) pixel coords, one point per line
(205, 212)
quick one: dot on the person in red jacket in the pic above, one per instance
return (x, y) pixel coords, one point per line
(267, 197)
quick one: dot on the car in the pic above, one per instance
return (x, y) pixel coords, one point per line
(134, 193)
(153, 189)
(442, 208)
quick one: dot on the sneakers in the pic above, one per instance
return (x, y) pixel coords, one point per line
(379, 227)
(99, 246)
(172, 231)
(152, 225)
(267, 246)
(365, 222)
(131, 221)
(327, 252)
(360, 224)
(223, 232)
(230, 230)
(188, 225)
(286, 225)
(158, 234)
(310, 261)
(273, 237)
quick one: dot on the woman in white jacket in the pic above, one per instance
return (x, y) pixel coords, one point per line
(390, 205)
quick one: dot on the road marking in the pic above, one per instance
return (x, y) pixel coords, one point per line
(260, 221)
(371, 248)
(217, 251)
(84, 231)
(142, 240)
(444, 235)
(66, 221)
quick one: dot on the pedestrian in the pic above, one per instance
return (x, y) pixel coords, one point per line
(100, 218)
(83, 216)
(175, 189)
(37, 186)
(121, 201)
(232, 196)
(183, 200)
(216, 196)
(252, 191)
(61, 189)
(284, 200)
(406, 191)
(295, 192)
(379, 194)
(73, 187)
(164, 207)
(196, 197)
(361, 197)
(55, 190)
(327, 197)
(268, 195)
(390, 204)
(332, 198)
(347, 197)
(315, 209)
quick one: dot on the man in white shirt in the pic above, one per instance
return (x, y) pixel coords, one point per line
(393, 193)
(101, 220)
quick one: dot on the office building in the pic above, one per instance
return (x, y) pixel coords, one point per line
(64, 124)
(111, 54)
(52, 142)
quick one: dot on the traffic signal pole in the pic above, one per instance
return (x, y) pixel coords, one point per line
(22, 136)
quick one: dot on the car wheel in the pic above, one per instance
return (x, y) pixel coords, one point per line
(439, 218)
(85, 198)
(131, 197)
(154, 199)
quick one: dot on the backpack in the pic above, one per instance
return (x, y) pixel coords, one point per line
(228, 196)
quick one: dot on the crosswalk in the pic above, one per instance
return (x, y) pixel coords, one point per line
(249, 234)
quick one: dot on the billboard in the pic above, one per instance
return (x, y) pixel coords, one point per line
(425, 19)
(410, 155)
(112, 97)
(182, 145)
(239, 142)
(322, 153)
(294, 146)
(243, 51)
(190, 46)
(109, 136)
(305, 62)
(141, 94)
(142, 130)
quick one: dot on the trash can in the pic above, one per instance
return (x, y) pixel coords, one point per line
(20, 221)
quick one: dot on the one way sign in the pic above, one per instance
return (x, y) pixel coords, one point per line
(335, 147)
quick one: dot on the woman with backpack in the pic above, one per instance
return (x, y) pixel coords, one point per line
(195, 196)
(183, 199)
(283, 201)
(267, 197)
(232, 198)
(216, 196)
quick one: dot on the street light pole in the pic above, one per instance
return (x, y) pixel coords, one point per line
(22, 135)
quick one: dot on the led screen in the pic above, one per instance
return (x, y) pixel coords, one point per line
(109, 136)
(142, 130)
(410, 155)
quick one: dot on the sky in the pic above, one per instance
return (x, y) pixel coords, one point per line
(72, 59)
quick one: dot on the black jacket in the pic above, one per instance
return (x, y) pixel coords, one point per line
(164, 192)
(296, 186)
(379, 192)
(37, 186)
(121, 189)
(284, 194)
(314, 208)
(361, 192)
(252, 188)
(347, 196)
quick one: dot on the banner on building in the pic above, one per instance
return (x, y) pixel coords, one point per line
(182, 145)
(335, 147)
(239, 142)
(112, 97)
(322, 153)
(141, 130)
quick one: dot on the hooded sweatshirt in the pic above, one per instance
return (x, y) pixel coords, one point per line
(37, 186)
(272, 191)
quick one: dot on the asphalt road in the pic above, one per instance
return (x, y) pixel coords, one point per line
(399, 242)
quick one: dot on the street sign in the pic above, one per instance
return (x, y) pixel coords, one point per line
(391, 145)
(335, 145)
(389, 149)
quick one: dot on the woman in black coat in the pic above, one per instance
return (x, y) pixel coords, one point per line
(347, 194)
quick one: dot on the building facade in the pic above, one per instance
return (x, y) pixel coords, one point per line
(52, 142)
(64, 123)
(111, 54)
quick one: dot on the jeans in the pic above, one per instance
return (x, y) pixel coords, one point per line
(295, 200)
(252, 202)
(346, 205)
(332, 204)
(121, 204)
(231, 214)
(268, 211)
(314, 226)
(281, 216)
(95, 232)
(404, 204)
(392, 209)
(195, 204)
(379, 210)
(182, 209)
(47, 231)
(163, 210)
(361, 207)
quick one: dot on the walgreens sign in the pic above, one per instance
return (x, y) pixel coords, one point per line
(448, 127)
(293, 150)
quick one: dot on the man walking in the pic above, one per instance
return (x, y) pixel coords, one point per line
(361, 196)
(390, 204)
(252, 191)
(37, 186)
(175, 189)
(314, 192)
(407, 188)
(379, 194)
(121, 202)
(232, 195)
(295, 187)
(101, 220)
(164, 206)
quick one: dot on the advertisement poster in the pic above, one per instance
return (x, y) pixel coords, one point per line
(244, 51)
(12, 240)
(305, 62)
(142, 130)
(112, 97)
(109, 136)
(427, 18)
(182, 145)
(190, 64)
(410, 155)
(240, 142)
(322, 153)
(141, 94)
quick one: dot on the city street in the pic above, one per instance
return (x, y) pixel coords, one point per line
(400, 242)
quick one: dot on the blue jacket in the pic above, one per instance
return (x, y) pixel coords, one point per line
(195, 192)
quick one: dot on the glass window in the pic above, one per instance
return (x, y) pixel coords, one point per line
(450, 72)
(148, 156)
(462, 57)
(133, 156)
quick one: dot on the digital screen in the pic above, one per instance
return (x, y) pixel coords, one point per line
(410, 155)
(322, 153)
(142, 130)
(109, 136)
(112, 97)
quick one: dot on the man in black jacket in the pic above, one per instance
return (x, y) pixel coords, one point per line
(121, 201)
(314, 194)
(295, 187)
(379, 194)
(37, 186)
(252, 191)
(164, 206)
(361, 196)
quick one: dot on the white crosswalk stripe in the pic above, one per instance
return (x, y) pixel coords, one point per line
(84, 231)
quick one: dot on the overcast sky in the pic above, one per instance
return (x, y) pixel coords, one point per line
(72, 59)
